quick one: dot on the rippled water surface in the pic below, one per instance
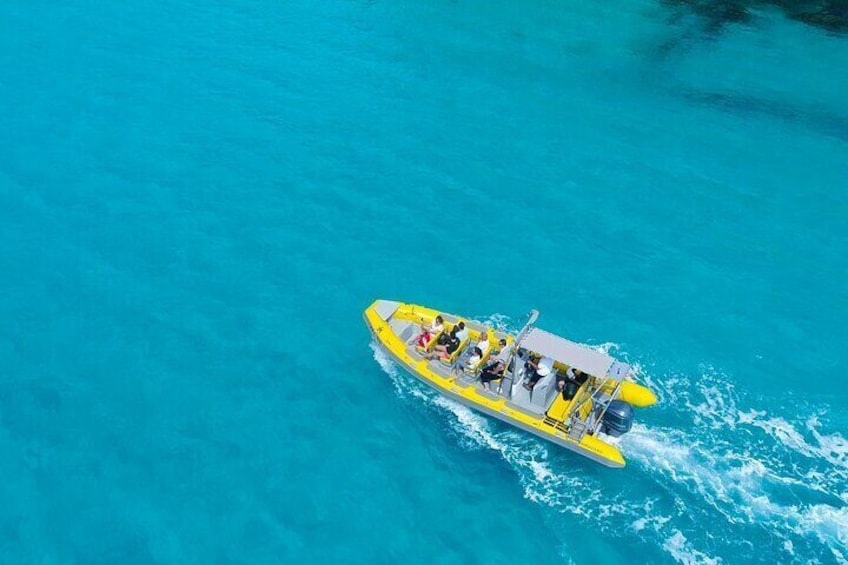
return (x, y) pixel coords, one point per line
(197, 201)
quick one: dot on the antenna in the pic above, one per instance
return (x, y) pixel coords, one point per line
(531, 319)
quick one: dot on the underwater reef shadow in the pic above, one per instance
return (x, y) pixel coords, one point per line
(818, 120)
(828, 15)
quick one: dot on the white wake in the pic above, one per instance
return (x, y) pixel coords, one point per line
(700, 474)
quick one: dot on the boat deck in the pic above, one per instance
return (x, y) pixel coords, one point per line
(534, 403)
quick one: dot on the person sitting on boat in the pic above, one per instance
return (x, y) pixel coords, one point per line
(429, 331)
(569, 383)
(483, 343)
(482, 346)
(445, 350)
(476, 357)
(495, 369)
(539, 370)
(492, 372)
(462, 333)
(502, 352)
(444, 336)
(477, 352)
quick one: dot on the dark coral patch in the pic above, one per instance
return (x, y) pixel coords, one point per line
(831, 15)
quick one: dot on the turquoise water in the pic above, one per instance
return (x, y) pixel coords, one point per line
(198, 199)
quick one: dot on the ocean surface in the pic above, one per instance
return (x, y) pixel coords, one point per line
(199, 198)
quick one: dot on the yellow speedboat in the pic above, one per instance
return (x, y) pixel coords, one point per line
(578, 399)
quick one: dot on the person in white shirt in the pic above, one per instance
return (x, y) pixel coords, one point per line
(462, 332)
(479, 351)
(476, 356)
(504, 353)
(541, 369)
(483, 344)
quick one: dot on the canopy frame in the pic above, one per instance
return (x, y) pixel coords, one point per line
(590, 361)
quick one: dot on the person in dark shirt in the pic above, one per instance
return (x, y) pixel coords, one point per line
(570, 383)
(451, 346)
(492, 372)
(446, 349)
(495, 369)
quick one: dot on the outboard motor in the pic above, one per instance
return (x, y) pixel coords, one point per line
(618, 419)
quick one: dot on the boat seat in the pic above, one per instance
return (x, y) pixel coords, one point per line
(540, 397)
(403, 329)
(560, 408)
(518, 393)
(535, 400)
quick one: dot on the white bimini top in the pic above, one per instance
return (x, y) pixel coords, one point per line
(590, 361)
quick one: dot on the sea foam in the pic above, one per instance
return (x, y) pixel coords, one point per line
(692, 465)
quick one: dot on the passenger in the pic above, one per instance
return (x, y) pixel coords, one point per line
(443, 339)
(483, 344)
(462, 333)
(445, 350)
(476, 357)
(478, 351)
(495, 369)
(540, 369)
(428, 332)
(570, 383)
(577, 375)
(492, 372)
(502, 352)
